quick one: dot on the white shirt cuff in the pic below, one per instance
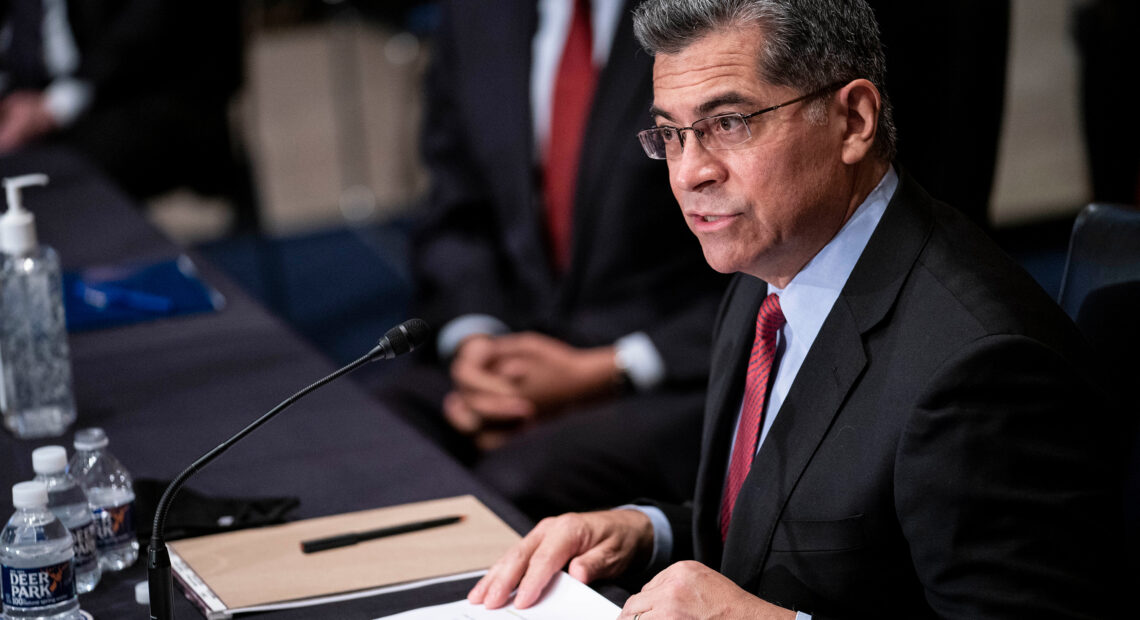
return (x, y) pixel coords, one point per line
(639, 359)
(461, 327)
(66, 99)
(662, 536)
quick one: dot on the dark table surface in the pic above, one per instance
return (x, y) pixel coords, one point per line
(167, 391)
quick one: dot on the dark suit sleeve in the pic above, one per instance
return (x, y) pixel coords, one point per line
(454, 257)
(681, 516)
(683, 338)
(1000, 492)
(681, 522)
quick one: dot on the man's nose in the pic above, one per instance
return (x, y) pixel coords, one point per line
(695, 167)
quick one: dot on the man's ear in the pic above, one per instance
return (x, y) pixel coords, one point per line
(859, 102)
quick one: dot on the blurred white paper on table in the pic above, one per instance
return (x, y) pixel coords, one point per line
(566, 599)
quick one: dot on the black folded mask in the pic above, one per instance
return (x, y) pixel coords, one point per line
(195, 514)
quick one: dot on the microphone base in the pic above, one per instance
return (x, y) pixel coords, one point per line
(160, 582)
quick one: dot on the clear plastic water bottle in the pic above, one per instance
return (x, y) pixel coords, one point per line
(37, 560)
(112, 496)
(68, 501)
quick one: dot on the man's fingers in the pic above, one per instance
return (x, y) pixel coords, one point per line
(499, 573)
(545, 562)
(503, 579)
(459, 415)
(489, 439)
(515, 368)
(525, 344)
(637, 606)
(628, 535)
(475, 596)
(597, 562)
(553, 543)
(479, 378)
(670, 573)
(471, 414)
(473, 368)
(532, 563)
(494, 590)
(498, 409)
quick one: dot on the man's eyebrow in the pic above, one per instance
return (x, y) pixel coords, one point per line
(655, 111)
(731, 98)
(706, 108)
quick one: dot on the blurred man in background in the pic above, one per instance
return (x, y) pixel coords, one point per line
(141, 88)
(574, 306)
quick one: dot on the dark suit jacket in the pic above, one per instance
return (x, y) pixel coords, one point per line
(634, 266)
(128, 47)
(940, 453)
(163, 73)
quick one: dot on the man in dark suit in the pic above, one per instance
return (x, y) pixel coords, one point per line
(899, 422)
(572, 361)
(141, 88)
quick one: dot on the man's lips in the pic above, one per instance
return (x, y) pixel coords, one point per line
(709, 222)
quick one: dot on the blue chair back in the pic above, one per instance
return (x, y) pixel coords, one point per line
(1100, 290)
(1104, 249)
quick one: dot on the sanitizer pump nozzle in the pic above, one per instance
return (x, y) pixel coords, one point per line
(18, 225)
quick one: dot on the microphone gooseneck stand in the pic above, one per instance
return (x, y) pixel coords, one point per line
(397, 341)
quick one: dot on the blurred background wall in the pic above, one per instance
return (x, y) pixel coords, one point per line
(1041, 170)
(330, 115)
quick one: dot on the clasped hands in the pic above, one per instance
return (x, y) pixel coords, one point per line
(502, 384)
(602, 545)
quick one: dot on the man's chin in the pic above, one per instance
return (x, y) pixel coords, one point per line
(723, 264)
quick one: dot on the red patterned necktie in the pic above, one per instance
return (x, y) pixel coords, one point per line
(768, 322)
(573, 93)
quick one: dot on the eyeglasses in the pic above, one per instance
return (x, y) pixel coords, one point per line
(723, 131)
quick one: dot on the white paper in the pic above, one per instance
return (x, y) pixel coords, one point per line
(565, 599)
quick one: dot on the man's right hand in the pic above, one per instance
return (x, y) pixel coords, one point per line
(597, 545)
(482, 395)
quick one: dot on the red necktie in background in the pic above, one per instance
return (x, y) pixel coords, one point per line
(573, 93)
(768, 322)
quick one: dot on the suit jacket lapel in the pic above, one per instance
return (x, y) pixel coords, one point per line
(502, 33)
(617, 106)
(726, 384)
(830, 370)
(827, 374)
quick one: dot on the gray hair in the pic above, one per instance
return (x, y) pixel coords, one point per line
(808, 44)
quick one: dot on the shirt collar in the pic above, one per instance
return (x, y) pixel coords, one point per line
(807, 299)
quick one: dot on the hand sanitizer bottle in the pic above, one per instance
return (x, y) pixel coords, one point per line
(37, 396)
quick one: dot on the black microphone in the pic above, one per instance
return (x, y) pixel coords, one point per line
(399, 340)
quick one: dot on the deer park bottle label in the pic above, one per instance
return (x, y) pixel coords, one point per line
(32, 588)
